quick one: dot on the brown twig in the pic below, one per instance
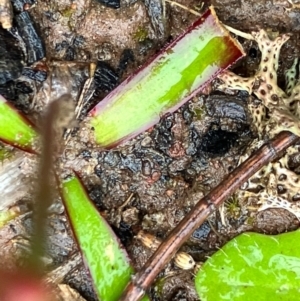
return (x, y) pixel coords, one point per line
(55, 119)
(206, 206)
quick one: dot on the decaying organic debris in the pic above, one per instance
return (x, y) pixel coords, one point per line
(166, 170)
(6, 14)
(277, 185)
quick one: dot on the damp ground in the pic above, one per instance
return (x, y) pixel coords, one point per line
(151, 182)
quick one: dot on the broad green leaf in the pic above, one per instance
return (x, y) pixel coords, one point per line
(181, 70)
(107, 261)
(253, 267)
(15, 129)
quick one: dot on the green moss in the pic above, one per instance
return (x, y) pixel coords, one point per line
(250, 221)
(141, 34)
(7, 215)
(67, 12)
(233, 207)
(5, 153)
(198, 112)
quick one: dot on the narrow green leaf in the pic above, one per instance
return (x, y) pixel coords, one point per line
(15, 129)
(181, 70)
(107, 261)
(253, 267)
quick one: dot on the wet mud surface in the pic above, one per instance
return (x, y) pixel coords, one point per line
(152, 181)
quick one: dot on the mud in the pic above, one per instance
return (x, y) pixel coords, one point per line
(166, 170)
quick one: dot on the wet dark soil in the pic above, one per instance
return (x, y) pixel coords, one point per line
(165, 170)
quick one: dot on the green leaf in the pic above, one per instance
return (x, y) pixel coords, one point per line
(253, 267)
(107, 261)
(15, 129)
(181, 70)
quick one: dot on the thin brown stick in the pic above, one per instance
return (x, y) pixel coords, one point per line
(206, 206)
(44, 188)
(51, 139)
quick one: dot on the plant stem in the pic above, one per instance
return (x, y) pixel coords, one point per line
(51, 139)
(205, 207)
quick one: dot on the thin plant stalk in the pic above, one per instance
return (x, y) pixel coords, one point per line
(44, 191)
(205, 207)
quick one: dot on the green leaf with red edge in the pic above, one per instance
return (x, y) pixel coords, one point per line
(181, 70)
(107, 261)
(253, 266)
(15, 129)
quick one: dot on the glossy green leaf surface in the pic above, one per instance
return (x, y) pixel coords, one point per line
(253, 267)
(15, 130)
(180, 71)
(107, 261)
(108, 265)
